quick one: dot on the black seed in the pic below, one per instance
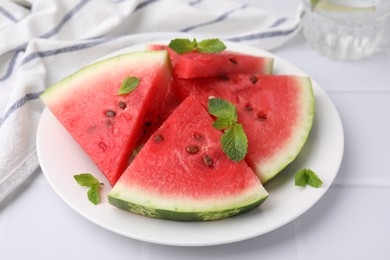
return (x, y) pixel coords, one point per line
(253, 79)
(197, 136)
(232, 60)
(158, 138)
(110, 113)
(261, 116)
(148, 123)
(208, 161)
(192, 149)
(122, 105)
(224, 77)
(144, 132)
(248, 108)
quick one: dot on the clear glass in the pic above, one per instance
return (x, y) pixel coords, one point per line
(345, 29)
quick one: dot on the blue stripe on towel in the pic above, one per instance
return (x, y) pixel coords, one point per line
(71, 48)
(263, 35)
(144, 3)
(19, 103)
(194, 2)
(52, 32)
(278, 22)
(64, 19)
(220, 18)
(8, 15)
(11, 64)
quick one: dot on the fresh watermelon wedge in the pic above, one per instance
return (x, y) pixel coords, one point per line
(276, 113)
(105, 124)
(200, 65)
(182, 173)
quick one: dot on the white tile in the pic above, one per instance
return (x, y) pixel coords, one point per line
(366, 121)
(348, 223)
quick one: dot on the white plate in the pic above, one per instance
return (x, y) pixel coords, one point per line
(61, 158)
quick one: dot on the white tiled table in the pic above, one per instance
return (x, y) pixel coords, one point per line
(352, 220)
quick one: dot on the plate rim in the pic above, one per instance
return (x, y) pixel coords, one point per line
(318, 92)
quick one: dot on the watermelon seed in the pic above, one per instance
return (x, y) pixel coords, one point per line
(253, 79)
(198, 137)
(148, 123)
(224, 77)
(110, 113)
(261, 116)
(233, 60)
(102, 146)
(122, 105)
(144, 132)
(248, 108)
(208, 161)
(158, 139)
(192, 149)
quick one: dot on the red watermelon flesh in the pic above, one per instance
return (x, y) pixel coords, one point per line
(105, 124)
(200, 65)
(276, 113)
(182, 173)
(194, 65)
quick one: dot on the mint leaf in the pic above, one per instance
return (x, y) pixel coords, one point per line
(88, 180)
(222, 108)
(93, 194)
(223, 123)
(235, 143)
(313, 179)
(210, 46)
(181, 46)
(301, 178)
(128, 85)
(307, 177)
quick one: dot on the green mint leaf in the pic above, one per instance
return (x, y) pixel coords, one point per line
(93, 194)
(194, 43)
(210, 46)
(128, 85)
(222, 108)
(301, 178)
(313, 179)
(86, 180)
(222, 123)
(307, 177)
(181, 46)
(235, 143)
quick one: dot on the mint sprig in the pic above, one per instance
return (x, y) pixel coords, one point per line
(88, 180)
(234, 141)
(181, 46)
(128, 85)
(307, 177)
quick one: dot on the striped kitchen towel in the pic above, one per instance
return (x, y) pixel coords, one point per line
(43, 41)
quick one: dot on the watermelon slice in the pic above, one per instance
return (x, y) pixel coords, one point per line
(200, 65)
(105, 124)
(182, 173)
(276, 112)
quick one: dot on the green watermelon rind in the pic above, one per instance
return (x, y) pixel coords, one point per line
(182, 215)
(288, 155)
(269, 65)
